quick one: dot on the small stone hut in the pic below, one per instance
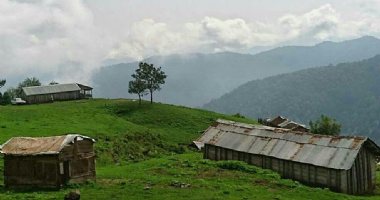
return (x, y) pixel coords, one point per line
(57, 92)
(344, 164)
(48, 162)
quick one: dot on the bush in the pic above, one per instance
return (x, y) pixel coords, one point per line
(5, 98)
(325, 126)
(238, 115)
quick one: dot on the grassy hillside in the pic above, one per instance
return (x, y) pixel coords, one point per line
(143, 154)
(124, 130)
(348, 92)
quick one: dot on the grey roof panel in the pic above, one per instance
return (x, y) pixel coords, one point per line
(51, 89)
(338, 152)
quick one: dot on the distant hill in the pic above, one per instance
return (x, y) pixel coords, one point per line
(349, 92)
(195, 79)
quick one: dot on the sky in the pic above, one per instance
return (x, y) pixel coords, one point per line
(68, 40)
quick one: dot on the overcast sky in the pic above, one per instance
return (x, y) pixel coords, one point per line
(66, 40)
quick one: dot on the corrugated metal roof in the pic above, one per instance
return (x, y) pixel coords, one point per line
(51, 89)
(39, 145)
(338, 152)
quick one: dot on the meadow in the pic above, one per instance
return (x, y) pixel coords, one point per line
(143, 152)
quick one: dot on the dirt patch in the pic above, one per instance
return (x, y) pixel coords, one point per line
(261, 182)
(215, 174)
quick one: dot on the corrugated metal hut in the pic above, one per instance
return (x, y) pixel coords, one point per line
(342, 163)
(58, 92)
(48, 162)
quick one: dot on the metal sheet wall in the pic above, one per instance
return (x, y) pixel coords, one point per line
(44, 98)
(305, 173)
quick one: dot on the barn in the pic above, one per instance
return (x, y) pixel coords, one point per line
(344, 164)
(48, 162)
(57, 92)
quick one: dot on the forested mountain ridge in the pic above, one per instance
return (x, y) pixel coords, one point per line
(195, 79)
(348, 92)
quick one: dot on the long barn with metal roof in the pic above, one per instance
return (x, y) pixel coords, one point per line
(57, 92)
(342, 163)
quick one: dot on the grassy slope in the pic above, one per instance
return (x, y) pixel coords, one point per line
(105, 117)
(120, 123)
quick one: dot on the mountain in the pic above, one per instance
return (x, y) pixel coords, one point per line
(195, 79)
(348, 92)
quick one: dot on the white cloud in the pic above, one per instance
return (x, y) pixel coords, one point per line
(148, 37)
(61, 39)
(48, 36)
(212, 34)
(320, 23)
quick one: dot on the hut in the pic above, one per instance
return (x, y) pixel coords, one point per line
(48, 162)
(344, 164)
(282, 122)
(57, 92)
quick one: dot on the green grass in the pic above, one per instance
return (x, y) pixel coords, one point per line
(124, 130)
(186, 176)
(106, 117)
(142, 154)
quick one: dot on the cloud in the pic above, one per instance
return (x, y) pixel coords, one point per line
(61, 40)
(369, 8)
(211, 34)
(148, 37)
(46, 36)
(320, 23)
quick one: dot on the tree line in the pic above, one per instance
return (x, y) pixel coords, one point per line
(14, 92)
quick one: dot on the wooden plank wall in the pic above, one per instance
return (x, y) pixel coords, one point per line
(81, 157)
(31, 171)
(305, 173)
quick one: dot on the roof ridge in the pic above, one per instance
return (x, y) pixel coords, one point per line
(228, 122)
(260, 136)
(51, 85)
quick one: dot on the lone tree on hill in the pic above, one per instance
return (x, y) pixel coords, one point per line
(147, 78)
(137, 86)
(325, 126)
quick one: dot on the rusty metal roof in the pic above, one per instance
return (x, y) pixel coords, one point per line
(283, 122)
(337, 152)
(39, 145)
(51, 89)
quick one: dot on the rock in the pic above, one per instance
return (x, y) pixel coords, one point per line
(73, 195)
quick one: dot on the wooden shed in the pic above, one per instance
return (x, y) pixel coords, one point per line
(282, 122)
(48, 162)
(58, 92)
(342, 163)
